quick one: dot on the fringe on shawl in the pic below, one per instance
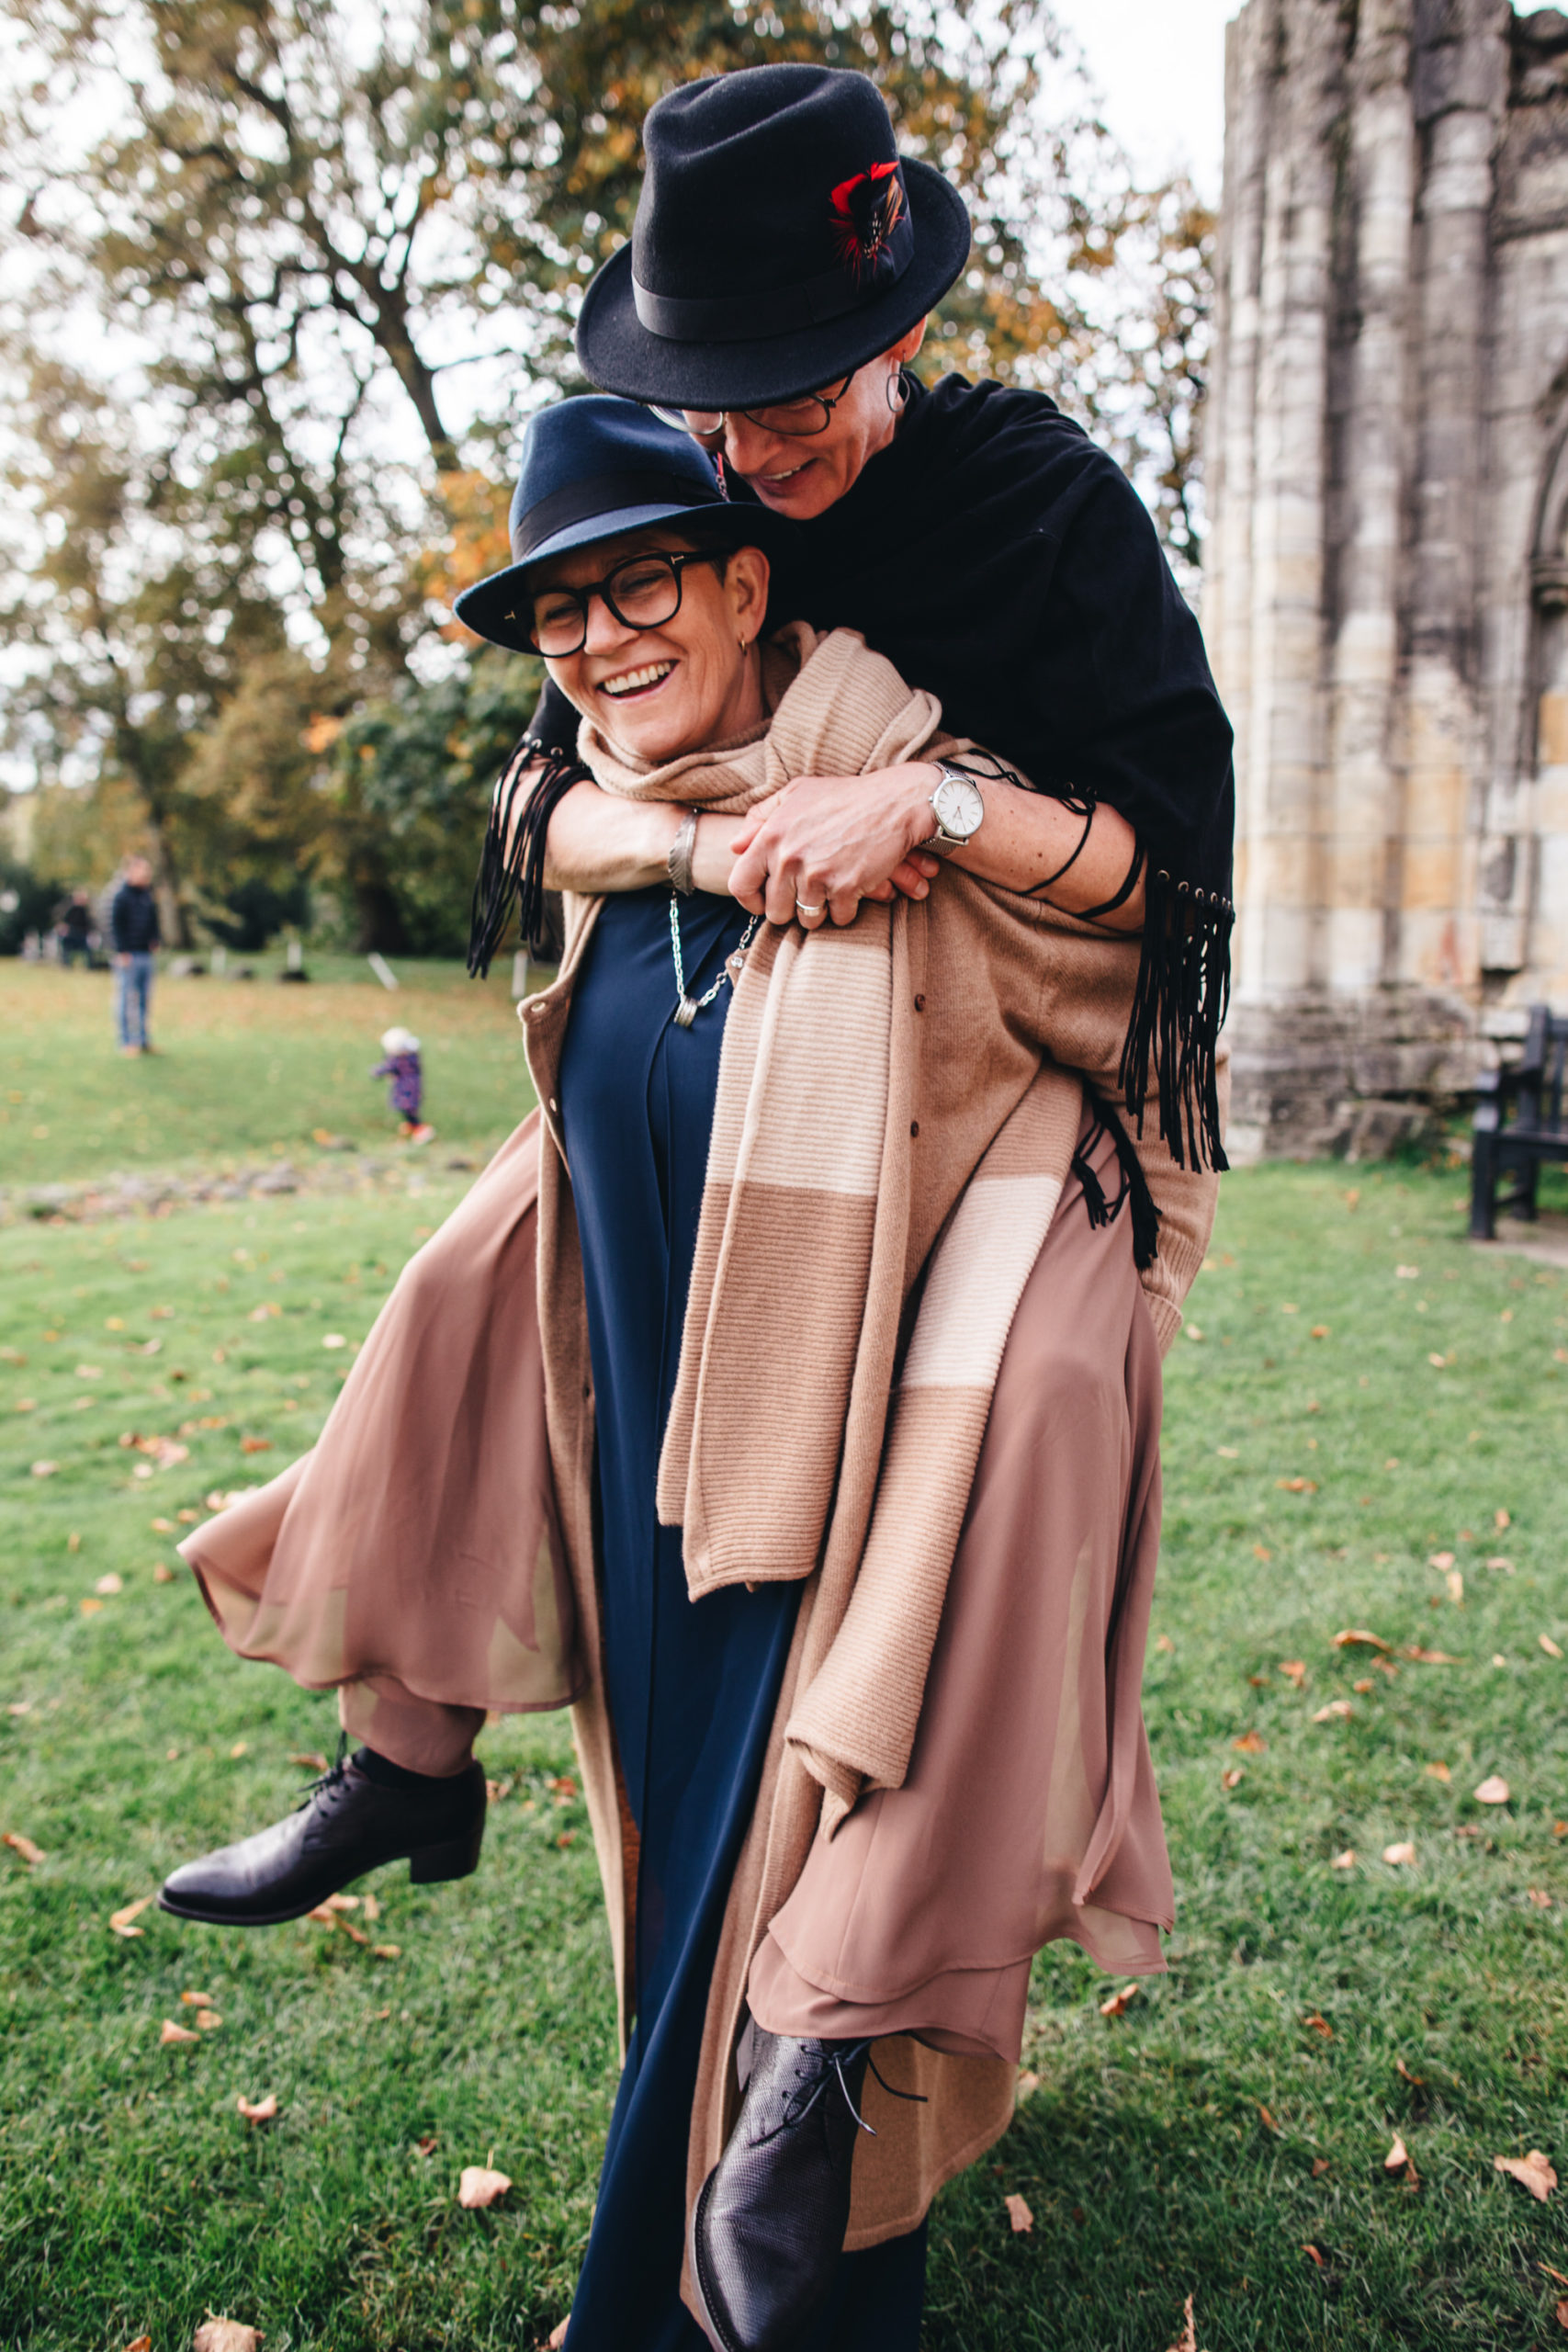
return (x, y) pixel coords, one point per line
(511, 862)
(1135, 1194)
(1184, 982)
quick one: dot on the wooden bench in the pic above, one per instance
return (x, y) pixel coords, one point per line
(1514, 1148)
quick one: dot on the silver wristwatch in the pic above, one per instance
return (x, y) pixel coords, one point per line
(958, 805)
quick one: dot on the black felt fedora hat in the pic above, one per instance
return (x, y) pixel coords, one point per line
(780, 241)
(591, 468)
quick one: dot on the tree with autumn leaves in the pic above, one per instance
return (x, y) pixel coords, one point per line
(286, 279)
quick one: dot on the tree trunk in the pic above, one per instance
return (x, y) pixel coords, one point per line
(380, 924)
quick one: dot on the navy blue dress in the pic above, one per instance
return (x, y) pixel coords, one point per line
(692, 1687)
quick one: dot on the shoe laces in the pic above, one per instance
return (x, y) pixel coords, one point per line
(329, 1782)
(816, 2078)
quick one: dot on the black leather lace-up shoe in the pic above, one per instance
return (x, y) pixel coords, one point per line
(769, 2220)
(346, 1825)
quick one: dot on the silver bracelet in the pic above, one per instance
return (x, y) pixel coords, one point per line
(679, 861)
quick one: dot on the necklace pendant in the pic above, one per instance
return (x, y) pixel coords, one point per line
(685, 1012)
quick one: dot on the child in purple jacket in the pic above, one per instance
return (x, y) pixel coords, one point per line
(402, 1065)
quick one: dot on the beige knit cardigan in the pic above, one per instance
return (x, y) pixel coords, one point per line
(987, 1007)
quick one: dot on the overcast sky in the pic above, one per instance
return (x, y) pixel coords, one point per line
(1160, 66)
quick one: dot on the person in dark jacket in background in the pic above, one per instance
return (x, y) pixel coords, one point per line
(74, 929)
(133, 927)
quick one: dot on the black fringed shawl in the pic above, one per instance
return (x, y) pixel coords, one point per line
(512, 863)
(1002, 560)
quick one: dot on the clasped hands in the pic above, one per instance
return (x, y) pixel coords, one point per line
(813, 850)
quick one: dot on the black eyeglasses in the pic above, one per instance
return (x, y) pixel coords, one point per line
(796, 420)
(641, 593)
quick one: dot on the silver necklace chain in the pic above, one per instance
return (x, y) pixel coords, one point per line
(687, 1006)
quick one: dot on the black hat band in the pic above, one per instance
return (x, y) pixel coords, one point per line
(582, 502)
(782, 310)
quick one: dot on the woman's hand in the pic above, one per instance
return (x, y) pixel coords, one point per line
(825, 843)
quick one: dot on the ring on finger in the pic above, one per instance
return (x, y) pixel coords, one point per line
(802, 908)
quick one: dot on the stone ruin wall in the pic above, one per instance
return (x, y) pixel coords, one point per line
(1386, 594)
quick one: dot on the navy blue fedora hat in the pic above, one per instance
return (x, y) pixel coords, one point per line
(780, 241)
(591, 468)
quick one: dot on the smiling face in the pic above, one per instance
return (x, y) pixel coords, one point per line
(803, 476)
(679, 686)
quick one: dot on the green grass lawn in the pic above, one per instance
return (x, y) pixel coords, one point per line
(244, 1070)
(1317, 1462)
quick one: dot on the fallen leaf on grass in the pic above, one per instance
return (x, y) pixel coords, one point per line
(1118, 2002)
(1164, 1644)
(1357, 1635)
(109, 1584)
(225, 2335)
(173, 2032)
(1364, 1688)
(241, 1747)
(1345, 1861)
(23, 1845)
(197, 2000)
(161, 1572)
(1294, 1671)
(1298, 1486)
(255, 1445)
(1320, 1331)
(322, 1916)
(163, 1527)
(1311, 2251)
(1397, 1856)
(140, 2343)
(1020, 2218)
(1533, 2172)
(257, 2110)
(1494, 1789)
(1251, 1743)
(1548, 1645)
(1561, 2276)
(1428, 1658)
(1269, 2122)
(386, 1951)
(1232, 1778)
(1319, 2167)
(1319, 2025)
(91, 1606)
(1335, 1708)
(1261, 1552)
(1027, 2085)
(308, 1758)
(1499, 1560)
(45, 1469)
(1397, 2158)
(1439, 1559)
(343, 1903)
(1500, 1519)
(1561, 2313)
(208, 2018)
(1439, 1772)
(1456, 1587)
(119, 1921)
(480, 2187)
(1401, 2069)
(1540, 1897)
(1188, 2339)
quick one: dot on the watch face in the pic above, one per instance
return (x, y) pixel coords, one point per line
(959, 806)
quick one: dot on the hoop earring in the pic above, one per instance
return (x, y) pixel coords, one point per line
(897, 392)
